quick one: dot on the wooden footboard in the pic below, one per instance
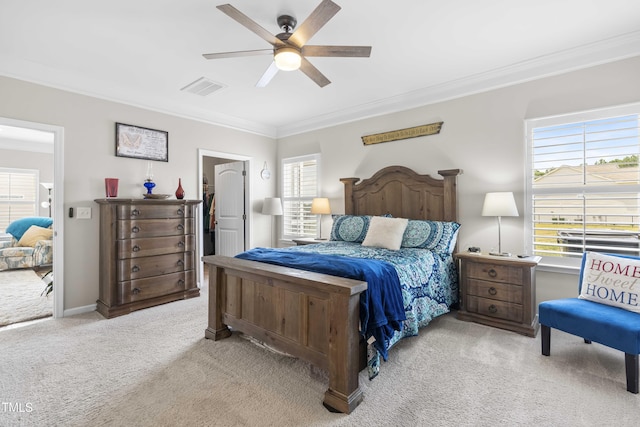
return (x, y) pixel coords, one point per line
(309, 315)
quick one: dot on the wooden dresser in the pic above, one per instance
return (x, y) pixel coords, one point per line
(147, 253)
(499, 291)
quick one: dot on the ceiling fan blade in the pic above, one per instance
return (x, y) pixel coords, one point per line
(318, 18)
(268, 75)
(342, 51)
(238, 53)
(250, 24)
(313, 73)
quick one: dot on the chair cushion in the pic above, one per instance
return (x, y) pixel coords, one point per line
(604, 324)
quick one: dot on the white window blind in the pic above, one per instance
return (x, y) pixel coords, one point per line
(299, 187)
(584, 183)
(18, 195)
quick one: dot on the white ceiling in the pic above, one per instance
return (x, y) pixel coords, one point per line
(142, 52)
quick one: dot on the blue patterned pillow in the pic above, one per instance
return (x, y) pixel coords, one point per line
(350, 228)
(439, 236)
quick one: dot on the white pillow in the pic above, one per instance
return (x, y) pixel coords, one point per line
(611, 280)
(385, 232)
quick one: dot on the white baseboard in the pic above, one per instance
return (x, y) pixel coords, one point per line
(79, 310)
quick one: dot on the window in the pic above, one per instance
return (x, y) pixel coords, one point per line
(584, 184)
(299, 187)
(18, 195)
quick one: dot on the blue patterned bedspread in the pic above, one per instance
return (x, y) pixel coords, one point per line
(429, 281)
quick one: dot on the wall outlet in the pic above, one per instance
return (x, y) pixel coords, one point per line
(83, 213)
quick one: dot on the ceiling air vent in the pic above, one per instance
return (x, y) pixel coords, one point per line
(203, 87)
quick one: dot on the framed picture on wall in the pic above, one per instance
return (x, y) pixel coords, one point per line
(142, 143)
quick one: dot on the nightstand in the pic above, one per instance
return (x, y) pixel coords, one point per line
(308, 241)
(499, 291)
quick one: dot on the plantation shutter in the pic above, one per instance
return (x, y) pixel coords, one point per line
(585, 184)
(18, 195)
(299, 187)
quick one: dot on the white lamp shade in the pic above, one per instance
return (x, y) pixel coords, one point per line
(320, 206)
(272, 206)
(499, 204)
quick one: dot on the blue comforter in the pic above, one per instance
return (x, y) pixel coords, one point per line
(381, 305)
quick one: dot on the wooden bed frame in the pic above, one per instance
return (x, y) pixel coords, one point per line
(316, 316)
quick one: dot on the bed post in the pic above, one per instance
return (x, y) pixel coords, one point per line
(450, 207)
(349, 203)
(216, 329)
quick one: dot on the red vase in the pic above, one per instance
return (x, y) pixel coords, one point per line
(180, 190)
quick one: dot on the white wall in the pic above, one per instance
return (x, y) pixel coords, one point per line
(483, 134)
(89, 157)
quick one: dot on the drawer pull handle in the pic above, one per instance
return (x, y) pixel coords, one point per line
(181, 263)
(181, 244)
(180, 211)
(493, 309)
(180, 227)
(135, 269)
(136, 248)
(492, 291)
(135, 229)
(181, 282)
(136, 291)
(493, 273)
(135, 212)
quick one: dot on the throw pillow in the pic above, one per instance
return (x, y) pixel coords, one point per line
(350, 228)
(438, 236)
(612, 280)
(18, 227)
(385, 232)
(34, 234)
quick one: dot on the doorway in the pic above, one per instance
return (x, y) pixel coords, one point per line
(56, 204)
(207, 162)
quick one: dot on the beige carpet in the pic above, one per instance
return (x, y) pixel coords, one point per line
(154, 368)
(20, 298)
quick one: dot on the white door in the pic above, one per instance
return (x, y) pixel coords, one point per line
(229, 211)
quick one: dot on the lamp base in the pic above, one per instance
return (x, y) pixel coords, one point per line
(500, 253)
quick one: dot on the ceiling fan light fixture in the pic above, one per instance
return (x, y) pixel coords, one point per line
(287, 59)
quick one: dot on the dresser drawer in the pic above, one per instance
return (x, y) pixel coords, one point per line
(136, 228)
(134, 248)
(151, 287)
(494, 272)
(494, 308)
(137, 268)
(494, 290)
(153, 211)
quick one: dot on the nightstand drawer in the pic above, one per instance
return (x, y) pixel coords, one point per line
(497, 291)
(494, 272)
(494, 308)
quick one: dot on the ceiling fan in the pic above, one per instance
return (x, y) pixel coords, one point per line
(289, 48)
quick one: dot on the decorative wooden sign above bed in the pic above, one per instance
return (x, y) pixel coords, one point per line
(423, 130)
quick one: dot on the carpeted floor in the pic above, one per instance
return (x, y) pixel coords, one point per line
(20, 298)
(154, 368)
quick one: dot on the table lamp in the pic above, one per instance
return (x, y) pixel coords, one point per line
(499, 204)
(272, 206)
(320, 206)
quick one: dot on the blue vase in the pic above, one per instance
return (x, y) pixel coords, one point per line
(149, 185)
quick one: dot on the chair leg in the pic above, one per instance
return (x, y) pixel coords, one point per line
(545, 339)
(631, 366)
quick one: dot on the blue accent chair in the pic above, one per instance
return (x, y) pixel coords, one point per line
(608, 325)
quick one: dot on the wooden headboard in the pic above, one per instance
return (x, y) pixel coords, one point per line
(401, 192)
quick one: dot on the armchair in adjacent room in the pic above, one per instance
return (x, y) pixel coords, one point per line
(31, 244)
